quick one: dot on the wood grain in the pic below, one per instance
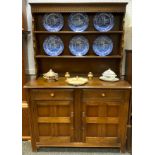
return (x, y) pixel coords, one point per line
(53, 120)
(78, 7)
(54, 94)
(104, 120)
(61, 83)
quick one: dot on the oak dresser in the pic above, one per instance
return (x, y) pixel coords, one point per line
(92, 115)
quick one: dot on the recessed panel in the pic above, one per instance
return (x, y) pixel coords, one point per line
(92, 111)
(44, 129)
(91, 130)
(63, 129)
(113, 111)
(43, 111)
(111, 130)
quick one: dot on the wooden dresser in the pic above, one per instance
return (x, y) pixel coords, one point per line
(92, 115)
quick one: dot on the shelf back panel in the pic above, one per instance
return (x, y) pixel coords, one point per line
(77, 66)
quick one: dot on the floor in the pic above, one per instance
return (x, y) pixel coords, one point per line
(69, 151)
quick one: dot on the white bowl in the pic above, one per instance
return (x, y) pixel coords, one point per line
(110, 76)
(109, 73)
(108, 79)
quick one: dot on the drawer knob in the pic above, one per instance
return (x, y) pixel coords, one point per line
(52, 94)
(102, 94)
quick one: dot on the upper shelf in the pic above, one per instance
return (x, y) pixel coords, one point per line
(25, 32)
(76, 57)
(72, 32)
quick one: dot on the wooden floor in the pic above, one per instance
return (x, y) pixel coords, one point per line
(69, 151)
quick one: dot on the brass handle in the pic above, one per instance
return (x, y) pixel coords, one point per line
(83, 114)
(72, 114)
(102, 94)
(52, 94)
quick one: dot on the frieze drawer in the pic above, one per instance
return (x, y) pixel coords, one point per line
(52, 94)
(103, 94)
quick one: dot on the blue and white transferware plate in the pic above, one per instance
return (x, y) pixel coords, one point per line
(53, 22)
(53, 45)
(78, 22)
(102, 45)
(79, 45)
(103, 22)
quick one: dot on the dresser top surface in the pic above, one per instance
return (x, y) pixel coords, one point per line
(61, 83)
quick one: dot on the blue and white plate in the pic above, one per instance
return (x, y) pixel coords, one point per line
(103, 22)
(53, 45)
(79, 45)
(53, 22)
(102, 45)
(78, 22)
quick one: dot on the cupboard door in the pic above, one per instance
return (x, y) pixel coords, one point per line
(101, 121)
(53, 122)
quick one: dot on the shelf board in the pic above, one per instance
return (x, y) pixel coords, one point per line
(25, 32)
(76, 57)
(72, 32)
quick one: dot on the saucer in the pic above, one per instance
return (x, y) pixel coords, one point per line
(108, 79)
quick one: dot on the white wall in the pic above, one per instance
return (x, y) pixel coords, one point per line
(30, 68)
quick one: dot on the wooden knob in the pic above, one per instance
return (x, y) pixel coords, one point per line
(52, 94)
(102, 94)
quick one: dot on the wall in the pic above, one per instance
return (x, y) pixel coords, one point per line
(30, 69)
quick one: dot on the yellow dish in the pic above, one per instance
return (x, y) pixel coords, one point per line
(77, 81)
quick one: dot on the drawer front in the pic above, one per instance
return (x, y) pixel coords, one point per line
(102, 94)
(52, 94)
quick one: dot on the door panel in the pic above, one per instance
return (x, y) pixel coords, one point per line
(112, 130)
(101, 120)
(54, 129)
(54, 121)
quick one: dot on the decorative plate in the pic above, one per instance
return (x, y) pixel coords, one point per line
(108, 79)
(103, 21)
(78, 45)
(53, 45)
(53, 22)
(78, 22)
(102, 45)
(77, 81)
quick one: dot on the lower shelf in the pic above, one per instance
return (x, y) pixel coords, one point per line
(46, 141)
(76, 144)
